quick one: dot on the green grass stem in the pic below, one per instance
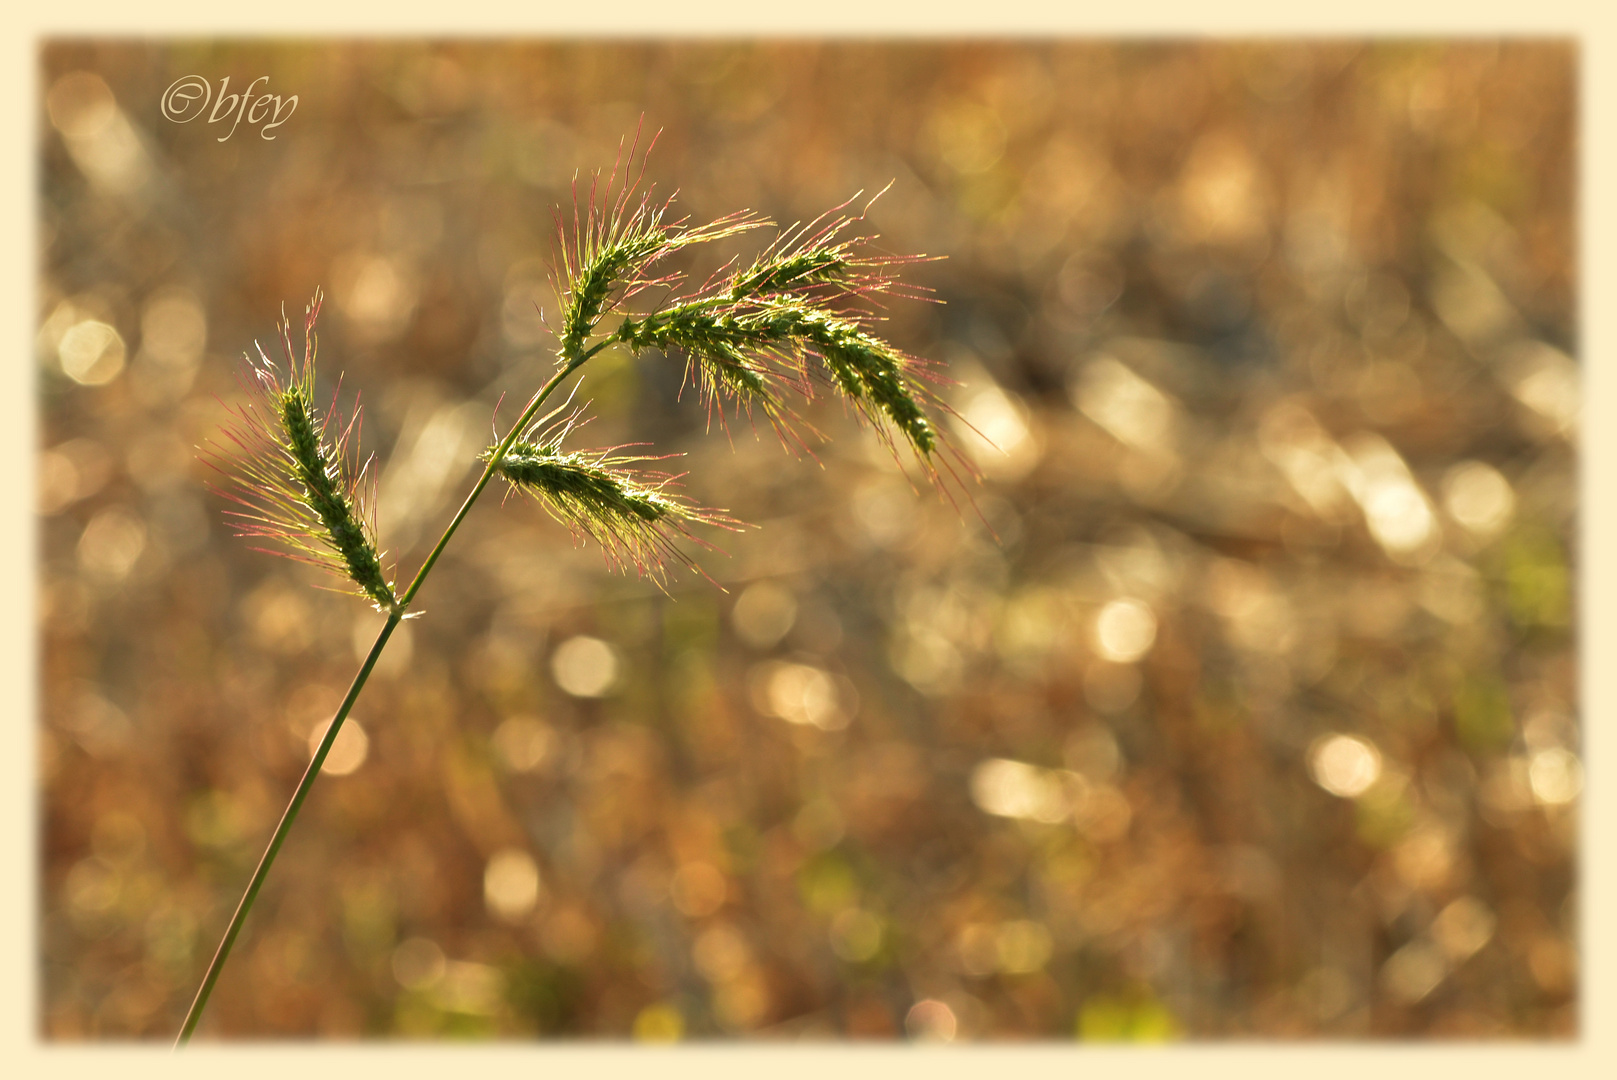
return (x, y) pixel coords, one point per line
(194, 1015)
(287, 818)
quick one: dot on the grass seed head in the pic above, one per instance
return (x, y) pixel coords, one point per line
(602, 495)
(607, 256)
(750, 332)
(297, 472)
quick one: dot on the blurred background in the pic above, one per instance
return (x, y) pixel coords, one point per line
(1241, 705)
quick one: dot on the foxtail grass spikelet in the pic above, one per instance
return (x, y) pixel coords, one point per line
(629, 512)
(743, 350)
(298, 473)
(816, 261)
(876, 377)
(723, 360)
(606, 258)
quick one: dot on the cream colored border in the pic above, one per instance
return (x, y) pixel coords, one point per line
(1594, 1055)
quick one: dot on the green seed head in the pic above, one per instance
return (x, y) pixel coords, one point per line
(297, 475)
(600, 494)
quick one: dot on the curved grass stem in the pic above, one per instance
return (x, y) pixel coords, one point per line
(395, 616)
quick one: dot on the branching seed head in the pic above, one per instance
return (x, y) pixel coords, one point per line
(756, 334)
(750, 332)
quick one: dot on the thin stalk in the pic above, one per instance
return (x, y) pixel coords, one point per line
(489, 470)
(292, 808)
(394, 618)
